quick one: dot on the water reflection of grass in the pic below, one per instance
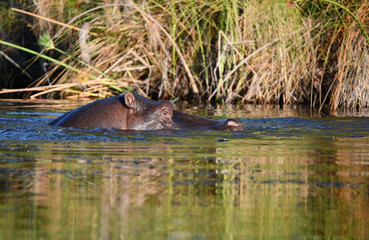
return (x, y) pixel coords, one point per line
(244, 188)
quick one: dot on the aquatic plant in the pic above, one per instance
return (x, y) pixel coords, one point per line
(268, 51)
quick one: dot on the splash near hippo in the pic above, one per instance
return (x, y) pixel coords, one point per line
(132, 111)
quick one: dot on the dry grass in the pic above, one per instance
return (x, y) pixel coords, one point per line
(350, 88)
(219, 51)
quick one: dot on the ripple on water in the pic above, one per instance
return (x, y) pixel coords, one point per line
(279, 173)
(24, 128)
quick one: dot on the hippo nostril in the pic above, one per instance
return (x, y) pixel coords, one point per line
(233, 124)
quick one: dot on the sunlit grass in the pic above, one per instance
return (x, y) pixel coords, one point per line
(267, 51)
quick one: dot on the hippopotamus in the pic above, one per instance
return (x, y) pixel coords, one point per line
(131, 111)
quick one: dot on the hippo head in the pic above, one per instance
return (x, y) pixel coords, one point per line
(145, 114)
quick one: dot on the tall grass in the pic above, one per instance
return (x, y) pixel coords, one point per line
(268, 51)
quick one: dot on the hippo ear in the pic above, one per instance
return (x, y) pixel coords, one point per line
(130, 100)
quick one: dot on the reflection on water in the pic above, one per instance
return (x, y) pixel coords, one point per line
(286, 176)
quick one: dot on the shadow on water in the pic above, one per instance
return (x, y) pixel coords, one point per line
(286, 175)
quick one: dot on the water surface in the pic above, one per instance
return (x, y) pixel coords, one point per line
(288, 175)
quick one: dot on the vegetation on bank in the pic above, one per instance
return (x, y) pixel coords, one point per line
(254, 51)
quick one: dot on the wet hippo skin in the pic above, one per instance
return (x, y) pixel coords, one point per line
(131, 111)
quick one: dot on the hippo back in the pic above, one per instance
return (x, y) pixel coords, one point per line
(104, 113)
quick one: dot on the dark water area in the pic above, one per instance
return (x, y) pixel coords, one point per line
(287, 175)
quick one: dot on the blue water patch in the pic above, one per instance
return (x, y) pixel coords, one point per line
(26, 126)
(327, 127)
(34, 113)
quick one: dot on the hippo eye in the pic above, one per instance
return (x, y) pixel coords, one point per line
(165, 112)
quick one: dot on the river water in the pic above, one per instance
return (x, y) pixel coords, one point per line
(288, 175)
